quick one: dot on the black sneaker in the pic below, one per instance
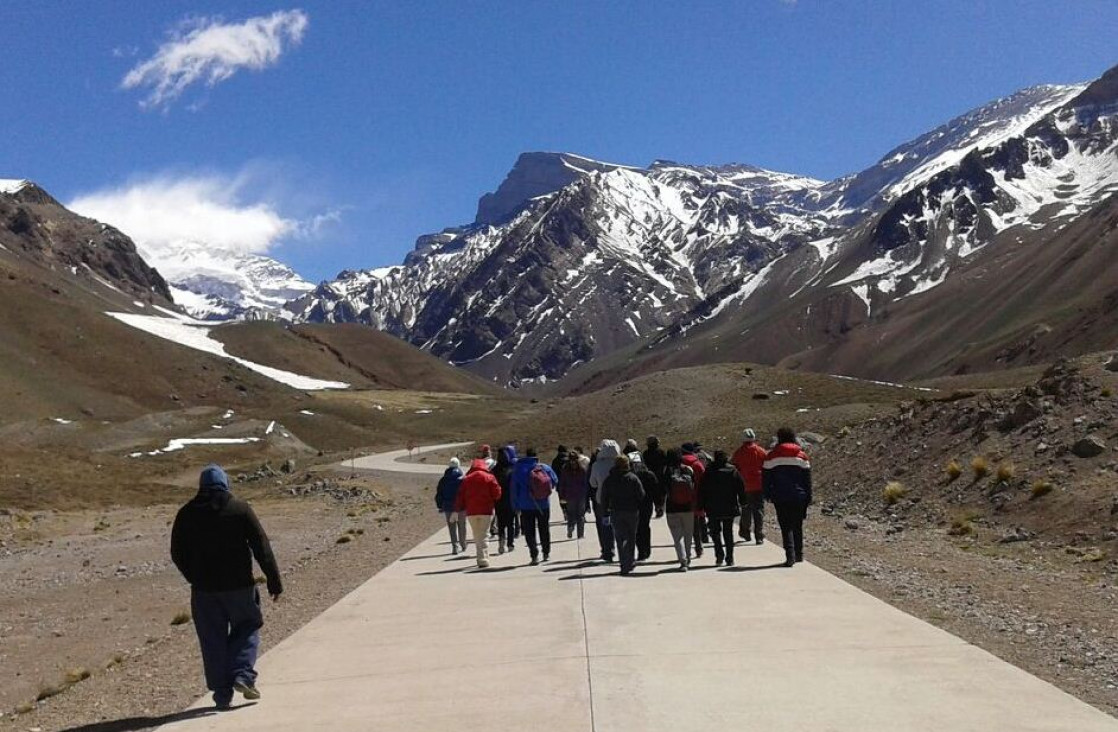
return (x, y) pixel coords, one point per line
(760, 540)
(789, 562)
(535, 561)
(546, 557)
(799, 558)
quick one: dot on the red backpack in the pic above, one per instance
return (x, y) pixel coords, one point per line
(682, 490)
(539, 484)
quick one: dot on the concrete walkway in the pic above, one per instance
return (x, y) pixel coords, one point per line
(432, 644)
(388, 462)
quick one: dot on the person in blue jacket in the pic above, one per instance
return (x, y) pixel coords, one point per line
(445, 495)
(532, 484)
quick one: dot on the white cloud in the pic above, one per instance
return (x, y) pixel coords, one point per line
(210, 51)
(161, 213)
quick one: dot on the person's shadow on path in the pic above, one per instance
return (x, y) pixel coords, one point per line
(133, 724)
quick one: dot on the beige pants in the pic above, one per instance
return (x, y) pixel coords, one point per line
(479, 527)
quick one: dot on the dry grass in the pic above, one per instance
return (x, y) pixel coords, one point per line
(1006, 472)
(25, 708)
(181, 618)
(962, 524)
(76, 675)
(1106, 392)
(1040, 488)
(980, 466)
(893, 492)
(46, 691)
(953, 470)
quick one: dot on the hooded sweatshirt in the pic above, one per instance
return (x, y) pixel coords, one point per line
(215, 537)
(622, 491)
(603, 464)
(447, 491)
(479, 491)
(521, 490)
(502, 469)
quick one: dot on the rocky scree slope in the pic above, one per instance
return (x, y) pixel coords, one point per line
(571, 259)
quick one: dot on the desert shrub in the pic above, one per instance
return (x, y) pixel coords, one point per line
(344, 539)
(25, 708)
(1040, 488)
(980, 466)
(1106, 392)
(181, 618)
(46, 691)
(1006, 472)
(961, 526)
(76, 675)
(893, 492)
(844, 432)
(954, 470)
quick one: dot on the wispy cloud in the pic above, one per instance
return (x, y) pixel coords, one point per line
(209, 51)
(162, 213)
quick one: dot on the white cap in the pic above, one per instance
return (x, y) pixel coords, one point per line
(749, 436)
(455, 463)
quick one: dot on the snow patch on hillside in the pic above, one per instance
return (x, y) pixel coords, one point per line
(196, 334)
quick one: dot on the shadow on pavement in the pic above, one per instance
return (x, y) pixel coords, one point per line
(133, 724)
(778, 565)
(465, 570)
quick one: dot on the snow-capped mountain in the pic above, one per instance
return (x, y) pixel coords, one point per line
(572, 259)
(215, 284)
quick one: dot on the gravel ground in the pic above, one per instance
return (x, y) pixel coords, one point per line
(97, 592)
(1032, 605)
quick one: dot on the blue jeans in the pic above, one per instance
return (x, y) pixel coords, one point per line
(228, 625)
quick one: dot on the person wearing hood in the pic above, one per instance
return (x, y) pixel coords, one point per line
(502, 470)
(599, 471)
(721, 496)
(786, 481)
(650, 503)
(446, 495)
(698, 467)
(572, 491)
(679, 505)
(749, 459)
(477, 497)
(622, 495)
(214, 539)
(532, 485)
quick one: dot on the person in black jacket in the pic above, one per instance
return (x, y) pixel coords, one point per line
(622, 495)
(655, 457)
(557, 465)
(721, 496)
(506, 527)
(213, 541)
(651, 504)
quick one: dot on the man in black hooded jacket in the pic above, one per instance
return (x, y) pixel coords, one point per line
(213, 541)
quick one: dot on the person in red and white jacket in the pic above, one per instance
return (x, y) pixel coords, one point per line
(786, 481)
(477, 496)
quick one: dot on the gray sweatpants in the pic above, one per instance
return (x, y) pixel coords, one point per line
(682, 526)
(456, 525)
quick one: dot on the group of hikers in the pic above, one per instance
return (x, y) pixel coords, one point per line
(700, 495)
(216, 535)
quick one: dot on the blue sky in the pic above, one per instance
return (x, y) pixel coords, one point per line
(388, 120)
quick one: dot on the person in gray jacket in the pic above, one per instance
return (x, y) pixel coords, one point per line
(622, 496)
(599, 471)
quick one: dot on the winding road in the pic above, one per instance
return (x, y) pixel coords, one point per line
(389, 462)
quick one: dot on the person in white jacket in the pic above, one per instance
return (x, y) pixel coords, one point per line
(599, 471)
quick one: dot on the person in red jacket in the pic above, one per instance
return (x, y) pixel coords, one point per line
(692, 460)
(749, 459)
(477, 496)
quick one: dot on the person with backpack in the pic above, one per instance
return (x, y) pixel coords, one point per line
(600, 467)
(213, 541)
(622, 495)
(532, 484)
(477, 497)
(649, 504)
(573, 489)
(749, 459)
(502, 471)
(786, 482)
(446, 495)
(721, 496)
(698, 467)
(679, 505)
